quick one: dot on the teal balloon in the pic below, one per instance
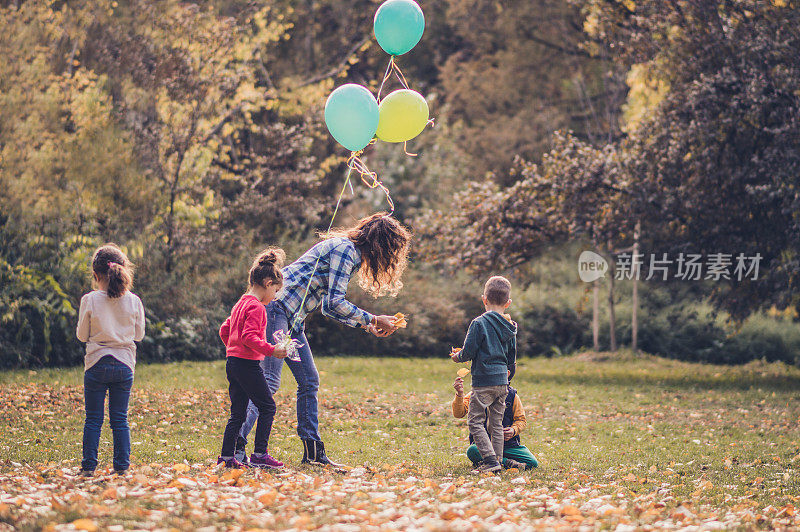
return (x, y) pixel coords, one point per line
(399, 25)
(351, 114)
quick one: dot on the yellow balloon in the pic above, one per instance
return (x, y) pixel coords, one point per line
(402, 115)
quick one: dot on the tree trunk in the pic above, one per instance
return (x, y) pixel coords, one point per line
(596, 315)
(612, 321)
(635, 303)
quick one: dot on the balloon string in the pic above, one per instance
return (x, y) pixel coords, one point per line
(330, 225)
(399, 74)
(369, 178)
(430, 122)
(386, 76)
(392, 68)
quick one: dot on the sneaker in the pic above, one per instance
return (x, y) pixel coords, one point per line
(487, 466)
(511, 464)
(121, 472)
(264, 462)
(231, 463)
(87, 472)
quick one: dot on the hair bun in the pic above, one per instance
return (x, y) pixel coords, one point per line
(267, 266)
(271, 256)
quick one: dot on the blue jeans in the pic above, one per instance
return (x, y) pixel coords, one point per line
(305, 373)
(108, 374)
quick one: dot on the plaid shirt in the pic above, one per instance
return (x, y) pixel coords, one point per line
(338, 261)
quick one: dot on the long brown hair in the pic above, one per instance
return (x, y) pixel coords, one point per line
(267, 267)
(110, 263)
(383, 243)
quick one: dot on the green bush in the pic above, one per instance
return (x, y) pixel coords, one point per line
(37, 320)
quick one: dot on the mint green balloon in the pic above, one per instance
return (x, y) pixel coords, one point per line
(351, 114)
(398, 26)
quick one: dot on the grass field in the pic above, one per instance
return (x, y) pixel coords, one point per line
(623, 442)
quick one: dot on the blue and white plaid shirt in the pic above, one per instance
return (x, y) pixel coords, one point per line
(338, 261)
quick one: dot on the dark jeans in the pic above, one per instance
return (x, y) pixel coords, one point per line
(108, 374)
(246, 383)
(305, 373)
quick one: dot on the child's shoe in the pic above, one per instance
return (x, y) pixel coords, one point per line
(239, 451)
(487, 466)
(510, 464)
(264, 461)
(230, 463)
(87, 472)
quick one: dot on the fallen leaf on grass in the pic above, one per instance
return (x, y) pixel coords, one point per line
(85, 524)
(268, 498)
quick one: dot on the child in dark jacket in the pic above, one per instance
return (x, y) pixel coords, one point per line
(491, 345)
(514, 422)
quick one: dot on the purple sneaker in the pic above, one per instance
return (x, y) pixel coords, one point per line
(231, 463)
(264, 462)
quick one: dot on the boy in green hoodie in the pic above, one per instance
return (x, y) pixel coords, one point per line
(491, 345)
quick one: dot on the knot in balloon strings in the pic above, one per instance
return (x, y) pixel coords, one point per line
(368, 177)
(392, 68)
(356, 155)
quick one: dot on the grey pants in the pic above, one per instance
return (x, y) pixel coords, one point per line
(485, 419)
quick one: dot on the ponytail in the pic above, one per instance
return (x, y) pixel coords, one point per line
(267, 267)
(109, 262)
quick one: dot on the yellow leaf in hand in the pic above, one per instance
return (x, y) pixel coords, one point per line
(400, 320)
(463, 372)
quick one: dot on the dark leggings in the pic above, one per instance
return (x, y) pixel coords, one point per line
(247, 383)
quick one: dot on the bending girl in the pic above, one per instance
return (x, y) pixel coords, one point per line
(377, 249)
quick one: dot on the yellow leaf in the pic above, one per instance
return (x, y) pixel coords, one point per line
(400, 320)
(569, 510)
(181, 468)
(85, 524)
(268, 498)
(463, 372)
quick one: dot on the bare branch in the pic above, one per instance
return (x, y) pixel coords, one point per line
(335, 70)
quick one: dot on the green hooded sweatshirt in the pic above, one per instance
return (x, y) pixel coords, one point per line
(491, 345)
